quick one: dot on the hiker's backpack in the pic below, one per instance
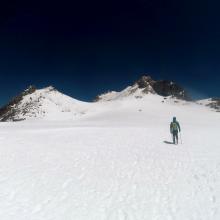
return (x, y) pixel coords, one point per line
(174, 126)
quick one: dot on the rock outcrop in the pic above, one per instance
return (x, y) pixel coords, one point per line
(9, 111)
(214, 104)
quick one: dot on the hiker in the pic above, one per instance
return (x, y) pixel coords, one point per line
(174, 129)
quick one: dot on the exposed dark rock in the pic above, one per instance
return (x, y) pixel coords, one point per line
(97, 98)
(217, 100)
(162, 87)
(145, 81)
(215, 104)
(169, 88)
(9, 111)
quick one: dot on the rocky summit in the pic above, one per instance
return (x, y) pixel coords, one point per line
(146, 85)
(162, 87)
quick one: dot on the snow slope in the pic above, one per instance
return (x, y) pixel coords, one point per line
(213, 103)
(130, 91)
(47, 103)
(51, 104)
(113, 164)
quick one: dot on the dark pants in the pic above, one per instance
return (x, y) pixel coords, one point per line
(175, 137)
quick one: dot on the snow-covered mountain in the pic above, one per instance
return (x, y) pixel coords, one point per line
(146, 85)
(43, 103)
(49, 103)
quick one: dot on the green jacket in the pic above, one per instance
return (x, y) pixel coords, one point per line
(174, 126)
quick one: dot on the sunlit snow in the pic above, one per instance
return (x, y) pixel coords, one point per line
(110, 160)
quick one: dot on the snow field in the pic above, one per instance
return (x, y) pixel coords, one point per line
(113, 164)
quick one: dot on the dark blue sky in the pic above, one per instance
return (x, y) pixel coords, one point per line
(85, 48)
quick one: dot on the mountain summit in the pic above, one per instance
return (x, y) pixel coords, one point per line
(41, 103)
(146, 85)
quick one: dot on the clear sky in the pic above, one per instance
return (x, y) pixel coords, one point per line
(84, 48)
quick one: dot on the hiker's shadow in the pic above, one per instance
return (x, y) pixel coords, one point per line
(168, 142)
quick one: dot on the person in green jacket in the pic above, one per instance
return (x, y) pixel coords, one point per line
(174, 129)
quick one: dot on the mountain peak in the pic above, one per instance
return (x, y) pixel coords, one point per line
(144, 81)
(162, 87)
(40, 103)
(30, 89)
(147, 85)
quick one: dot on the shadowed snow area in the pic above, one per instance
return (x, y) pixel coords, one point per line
(114, 163)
